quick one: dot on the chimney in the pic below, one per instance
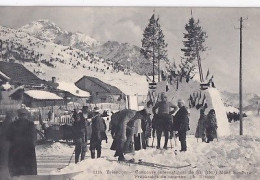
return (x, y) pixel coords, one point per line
(53, 79)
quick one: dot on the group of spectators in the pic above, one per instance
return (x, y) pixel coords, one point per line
(130, 130)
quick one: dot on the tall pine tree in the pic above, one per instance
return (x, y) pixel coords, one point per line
(194, 44)
(161, 47)
(153, 44)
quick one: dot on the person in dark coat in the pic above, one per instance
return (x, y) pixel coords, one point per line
(200, 131)
(182, 123)
(4, 144)
(147, 131)
(22, 137)
(118, 126)
(79, 133)
(163, 119)
(211, 126)
(98, 133)
(122, 125)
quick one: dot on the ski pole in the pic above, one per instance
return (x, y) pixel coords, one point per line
(171, 143)
(71, 157)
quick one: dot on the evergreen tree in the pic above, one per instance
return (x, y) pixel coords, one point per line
(153, 44)
(161, 47)
(194, 44)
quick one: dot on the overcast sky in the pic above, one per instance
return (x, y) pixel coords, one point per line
(126, 24)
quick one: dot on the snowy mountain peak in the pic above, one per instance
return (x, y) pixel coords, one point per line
(47, 30)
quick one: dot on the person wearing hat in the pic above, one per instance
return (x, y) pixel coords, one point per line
(98, 133)
(182, 123)
(163, 119)
(22, 137)
(79, 133)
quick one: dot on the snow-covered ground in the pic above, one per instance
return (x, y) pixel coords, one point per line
(229, 157)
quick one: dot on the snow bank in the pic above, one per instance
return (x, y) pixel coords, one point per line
(54, 149)
(216, 103)
(251, 126)
(230, 157)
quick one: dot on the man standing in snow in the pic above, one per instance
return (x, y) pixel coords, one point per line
(22, 137)
(79, 132)
(163, 119)
(182, 123)
(98, 133)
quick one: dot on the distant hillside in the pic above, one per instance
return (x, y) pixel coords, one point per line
(249, 100)
(124, 54)
(121, 54)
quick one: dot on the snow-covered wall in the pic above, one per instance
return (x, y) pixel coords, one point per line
(214, 101)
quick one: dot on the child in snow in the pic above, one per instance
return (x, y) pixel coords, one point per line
(211, 126)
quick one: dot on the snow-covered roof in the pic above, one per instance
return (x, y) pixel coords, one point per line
(42, 95)
(73, 89)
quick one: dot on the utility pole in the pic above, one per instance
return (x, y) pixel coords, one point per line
(240, 81)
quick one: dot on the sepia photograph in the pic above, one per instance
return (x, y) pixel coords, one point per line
(129, 92)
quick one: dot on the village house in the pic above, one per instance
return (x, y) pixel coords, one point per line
(100, 92)
(17, 75)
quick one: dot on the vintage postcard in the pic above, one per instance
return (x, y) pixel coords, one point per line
(129, 93)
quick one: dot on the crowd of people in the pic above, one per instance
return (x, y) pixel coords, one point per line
(131, 131)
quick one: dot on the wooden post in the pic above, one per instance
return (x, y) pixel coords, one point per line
(240, 82)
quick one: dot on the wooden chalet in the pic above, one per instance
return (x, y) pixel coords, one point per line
(100, 92)
(17, 75)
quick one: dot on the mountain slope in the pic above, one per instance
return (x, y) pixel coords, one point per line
(121, 54)
(47, 59)
(127, 55)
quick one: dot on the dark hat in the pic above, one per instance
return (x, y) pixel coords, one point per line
(84, 108)
(22, 112)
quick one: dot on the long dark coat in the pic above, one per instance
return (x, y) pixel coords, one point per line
(4, 144)
(98, 129)
(211, 126)
(22, 158)
(182, 120)
(200, 130)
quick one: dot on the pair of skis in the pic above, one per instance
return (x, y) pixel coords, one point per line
(148, 164)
